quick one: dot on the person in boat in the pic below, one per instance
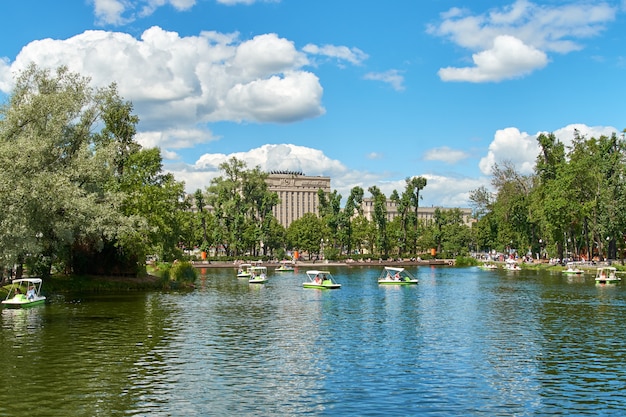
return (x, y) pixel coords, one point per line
(324, 279)
(397, 276)
(30, 294)
(317, 279)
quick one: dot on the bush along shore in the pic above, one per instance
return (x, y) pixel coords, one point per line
(158, 277)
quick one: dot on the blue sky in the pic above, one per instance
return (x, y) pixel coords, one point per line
(366, 92)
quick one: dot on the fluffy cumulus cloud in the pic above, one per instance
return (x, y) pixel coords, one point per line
(511, 145)
(450, 191)
(521, 148)
(6, 79)
(508, 58)
(515, 40)
(270, 157)
(179, 83)
(442, 190)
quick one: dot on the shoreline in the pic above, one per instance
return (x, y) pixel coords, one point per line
(322, 264)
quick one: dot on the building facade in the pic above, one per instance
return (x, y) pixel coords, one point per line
(424, 214)
(297, 194)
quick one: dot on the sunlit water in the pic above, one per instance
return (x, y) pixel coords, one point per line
(461, 342)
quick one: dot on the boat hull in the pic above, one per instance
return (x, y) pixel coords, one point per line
(258, 281)
(607, 281)
(321, 286)
(393, 282)
(13, 303)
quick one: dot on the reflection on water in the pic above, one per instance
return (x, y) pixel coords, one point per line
(461, 342)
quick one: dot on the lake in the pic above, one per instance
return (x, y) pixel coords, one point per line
(462, 342)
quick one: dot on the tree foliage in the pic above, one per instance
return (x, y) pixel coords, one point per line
(73, 180)
(573, 206)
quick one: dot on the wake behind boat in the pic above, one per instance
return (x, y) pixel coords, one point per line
(16, 297)
(396, 276)
(320, 279)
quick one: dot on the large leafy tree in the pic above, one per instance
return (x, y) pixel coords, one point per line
(331, 215)
(52, 176)
(353, 207)
(380, 220)
(157, 199)
(306, 233)
(413, 188)
(260, 203)
(67, 157)
(242, 205)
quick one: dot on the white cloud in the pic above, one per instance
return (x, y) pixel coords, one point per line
(450, 191)
(281, 157)
(391, 77)
(445, 154)
(6, 78)
(511, 145)
(235, 2)
(508, 58)
(522, 149)
(121, 12)
(175, 82)
(148, 7)
(375, 155)
(566, 134)
(444, 191)
(111, 11)
(540, 29)
(278, 158)
(342, 53)
(174, 138)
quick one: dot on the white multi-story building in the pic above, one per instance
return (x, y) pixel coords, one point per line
(297, 194)
(425, 214)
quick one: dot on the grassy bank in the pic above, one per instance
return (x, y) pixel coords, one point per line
(158, 278)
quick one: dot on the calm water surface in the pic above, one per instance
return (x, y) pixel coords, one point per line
(462, 342)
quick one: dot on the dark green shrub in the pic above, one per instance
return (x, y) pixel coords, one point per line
(183, 272)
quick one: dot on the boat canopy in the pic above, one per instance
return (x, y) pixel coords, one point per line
(315, 272)
(29, 280)
(394, 269)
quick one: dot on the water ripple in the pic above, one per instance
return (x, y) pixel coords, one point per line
(461, 342)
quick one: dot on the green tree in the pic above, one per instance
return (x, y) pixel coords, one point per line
(200, 205)
(353, 207)
(306, 233)
(414, 186)
(83, 195)
(54, 172)
(242, 207)
(380, 220)
(155, 197)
